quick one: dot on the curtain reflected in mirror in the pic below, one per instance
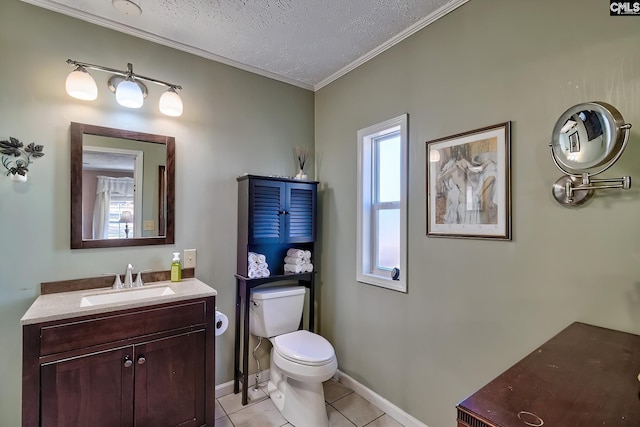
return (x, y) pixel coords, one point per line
(113, 207)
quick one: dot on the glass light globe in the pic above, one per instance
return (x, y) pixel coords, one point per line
(170, 103)
(129, 94)
(81, 85)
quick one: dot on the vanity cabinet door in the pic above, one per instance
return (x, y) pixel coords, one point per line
(93, 390)
(170, 381)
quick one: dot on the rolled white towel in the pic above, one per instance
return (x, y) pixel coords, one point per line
(253, 265)
(293, 260)
(308, 267)
(256, 257)
(296, 253)
(253, 274)
(293, 268)
(307, 255)
(265, 273)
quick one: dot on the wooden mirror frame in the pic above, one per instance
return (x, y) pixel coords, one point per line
(77, 132)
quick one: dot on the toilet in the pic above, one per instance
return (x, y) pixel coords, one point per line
(300, 360)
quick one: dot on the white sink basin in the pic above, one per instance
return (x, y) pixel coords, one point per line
(124, 295)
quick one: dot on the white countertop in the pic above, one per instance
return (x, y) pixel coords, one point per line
(65, 305)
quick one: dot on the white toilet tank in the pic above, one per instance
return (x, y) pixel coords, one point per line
(276, 311)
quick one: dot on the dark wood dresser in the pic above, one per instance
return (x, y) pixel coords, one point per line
(584, 376)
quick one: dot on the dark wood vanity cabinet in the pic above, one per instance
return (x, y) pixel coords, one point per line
(584, 376)
(149, 367)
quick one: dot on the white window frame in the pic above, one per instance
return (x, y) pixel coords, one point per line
(366, 271)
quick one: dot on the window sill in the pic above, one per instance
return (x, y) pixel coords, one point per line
(383, 282)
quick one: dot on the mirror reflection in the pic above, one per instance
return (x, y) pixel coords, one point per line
(587, 136)
(121, 197)
(587, 127)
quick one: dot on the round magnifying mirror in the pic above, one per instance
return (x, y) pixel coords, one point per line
(588, 136)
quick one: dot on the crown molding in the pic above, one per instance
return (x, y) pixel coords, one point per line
(437, 14)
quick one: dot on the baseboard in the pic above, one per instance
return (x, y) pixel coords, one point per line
(389, 408)
(227, 388)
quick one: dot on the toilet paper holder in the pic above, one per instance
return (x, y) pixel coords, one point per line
(220, 323)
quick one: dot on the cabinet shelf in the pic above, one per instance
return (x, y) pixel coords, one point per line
(274, 215)
(275, 278)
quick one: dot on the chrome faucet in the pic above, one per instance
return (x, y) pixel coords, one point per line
(138, 282)
(117, 283)
(128, 278)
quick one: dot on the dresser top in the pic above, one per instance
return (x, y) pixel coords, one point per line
(584, 376)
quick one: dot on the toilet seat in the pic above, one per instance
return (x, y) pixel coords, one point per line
(304, 347)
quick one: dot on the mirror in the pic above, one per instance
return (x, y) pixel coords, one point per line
(587, 140)
(122, 187)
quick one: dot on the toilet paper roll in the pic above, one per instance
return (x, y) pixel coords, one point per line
(221, 323)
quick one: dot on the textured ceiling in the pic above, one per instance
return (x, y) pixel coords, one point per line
(308, 43)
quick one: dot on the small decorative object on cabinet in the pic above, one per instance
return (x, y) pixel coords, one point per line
(274, 215)
(584, 376)
(302, 154)
(152, 365)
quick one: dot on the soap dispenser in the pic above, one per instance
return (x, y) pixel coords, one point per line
(176, 268)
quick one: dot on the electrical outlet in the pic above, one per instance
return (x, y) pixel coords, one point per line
(189, 258)
(149, 225)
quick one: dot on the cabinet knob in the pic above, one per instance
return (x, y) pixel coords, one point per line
(141, 360)
(127, 362)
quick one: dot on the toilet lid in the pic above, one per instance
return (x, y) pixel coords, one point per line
(304, 347)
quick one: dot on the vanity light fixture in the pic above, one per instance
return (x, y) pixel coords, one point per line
(129, 89)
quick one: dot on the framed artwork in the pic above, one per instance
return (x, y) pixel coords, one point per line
(469, 184)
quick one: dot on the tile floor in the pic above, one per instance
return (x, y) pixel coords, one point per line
(344, 407)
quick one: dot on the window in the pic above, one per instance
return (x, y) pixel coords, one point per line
(382, 204)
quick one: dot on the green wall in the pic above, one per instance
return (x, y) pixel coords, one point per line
(473, 308)
(476, 307)
(234, 122)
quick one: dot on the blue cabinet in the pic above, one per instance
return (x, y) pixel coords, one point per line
(274, 214)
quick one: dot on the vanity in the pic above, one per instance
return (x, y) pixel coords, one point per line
(141, 356)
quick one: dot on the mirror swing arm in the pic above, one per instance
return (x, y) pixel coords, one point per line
(607, 128)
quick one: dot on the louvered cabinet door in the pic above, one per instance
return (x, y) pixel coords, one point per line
(300, 213)
(266, 212)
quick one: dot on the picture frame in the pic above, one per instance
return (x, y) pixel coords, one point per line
(469, 184)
